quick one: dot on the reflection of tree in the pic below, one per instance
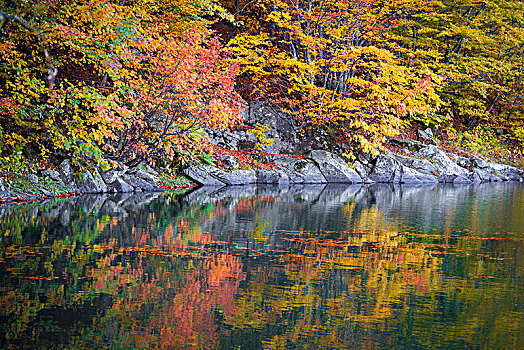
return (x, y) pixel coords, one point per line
(171, 274)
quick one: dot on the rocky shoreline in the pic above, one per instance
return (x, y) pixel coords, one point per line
(424, 164)
(419, 164)
(124, 180)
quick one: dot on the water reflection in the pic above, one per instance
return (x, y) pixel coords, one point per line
(327, 267)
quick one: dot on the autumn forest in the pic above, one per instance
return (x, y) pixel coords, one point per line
(261, 174)
(129, 81)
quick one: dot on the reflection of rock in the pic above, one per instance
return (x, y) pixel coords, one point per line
(92, 204)
(256, 215)
(139, 183)
(121, 186)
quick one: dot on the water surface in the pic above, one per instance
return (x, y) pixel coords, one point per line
(313, 267)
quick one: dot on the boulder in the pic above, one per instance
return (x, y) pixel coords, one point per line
(361, 170)
(4, 190)
(53, 175)
(484, 175)
(146, 176)
(507, 171)
(201, 176)
(447, 170)
(110, 176)
(426, 135)
(47, 193)
(301, 171)
(478, 162)
(412, 176)
(32, 178)
(386, 169)
(235, 177)
(91, 182)
(334, 168)
(389, 169)
(121, 186)
(423, 166)
(272, 177)
(229, 161)
(140, 184)
(67, 176)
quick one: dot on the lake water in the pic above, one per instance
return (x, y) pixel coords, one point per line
(327, 267)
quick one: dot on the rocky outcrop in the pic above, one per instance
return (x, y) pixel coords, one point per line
(428, 164)
(208, 175)
(281, 129)
(70, 179)
(202, 177)
(447, 170)
(91, 182)
(272, 177)
(300, 171)
(334, 168)
(388, 169)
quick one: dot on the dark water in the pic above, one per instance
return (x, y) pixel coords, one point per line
(337, 267)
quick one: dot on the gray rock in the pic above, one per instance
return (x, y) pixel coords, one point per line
(66, 172)
(47, 193)
(148, 169)
(110, 176)
(406, 143)
(67, 176)
(139, 184)
(463, 162)
(478, 162)
(235, 177)
(272, 177)
(361, 170)
(91, 182)
(121, 186)
(508, 171)
(447, 170)
(230, 162)
(52, 174)
(484, 175)
(386, 169)
(334, 168)
(455, 178)
(301, 171)
(4, 190)
(424, 166)
(201, 176)
(146, 176)
(412, 176)
(426, 135)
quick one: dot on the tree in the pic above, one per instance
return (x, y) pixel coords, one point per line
(125, 82)
(330, 64)
(477, 48)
